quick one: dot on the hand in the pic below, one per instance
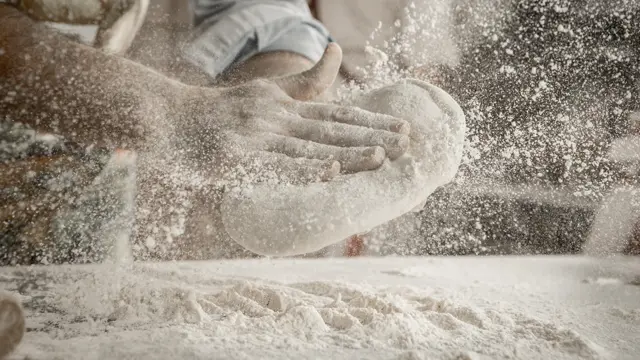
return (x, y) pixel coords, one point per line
(261, 131)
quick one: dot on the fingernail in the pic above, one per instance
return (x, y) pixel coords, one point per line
(398, 147)
(402, 127)
(374, 153)
(329, 170)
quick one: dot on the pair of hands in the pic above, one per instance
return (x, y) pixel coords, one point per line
(266, 130)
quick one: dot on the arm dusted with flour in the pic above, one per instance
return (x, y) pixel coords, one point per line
(259, 130)
(58, 86)
(118, 20)
(94, 98)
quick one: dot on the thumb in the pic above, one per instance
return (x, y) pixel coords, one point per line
(313, 82)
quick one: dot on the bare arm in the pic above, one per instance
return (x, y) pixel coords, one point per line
(93, 98)
(67, 11)
(81, 93)
(265, 65)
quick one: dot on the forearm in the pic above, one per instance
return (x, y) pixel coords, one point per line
(67, 11)
(85, 95)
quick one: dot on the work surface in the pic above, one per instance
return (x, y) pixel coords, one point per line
(366, 308)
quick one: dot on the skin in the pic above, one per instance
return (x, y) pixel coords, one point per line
(91, 98)
(118, 20)
(94, 99)
(261, 127)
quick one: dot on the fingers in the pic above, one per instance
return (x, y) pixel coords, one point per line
(351, 159)
(264, 166)
(354, 116)
(313, 82)
(343, 135)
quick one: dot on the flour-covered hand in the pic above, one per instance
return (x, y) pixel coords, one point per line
(263, 129)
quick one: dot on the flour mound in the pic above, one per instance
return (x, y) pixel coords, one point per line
(183, 312)
(280, 219)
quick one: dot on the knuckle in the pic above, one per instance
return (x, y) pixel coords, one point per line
(263, 84)
(393, 119)
(342, 112)
(289, 104)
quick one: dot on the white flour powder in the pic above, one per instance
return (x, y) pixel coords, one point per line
(394, 308)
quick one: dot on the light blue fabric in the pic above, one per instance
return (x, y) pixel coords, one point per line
(231, 31)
